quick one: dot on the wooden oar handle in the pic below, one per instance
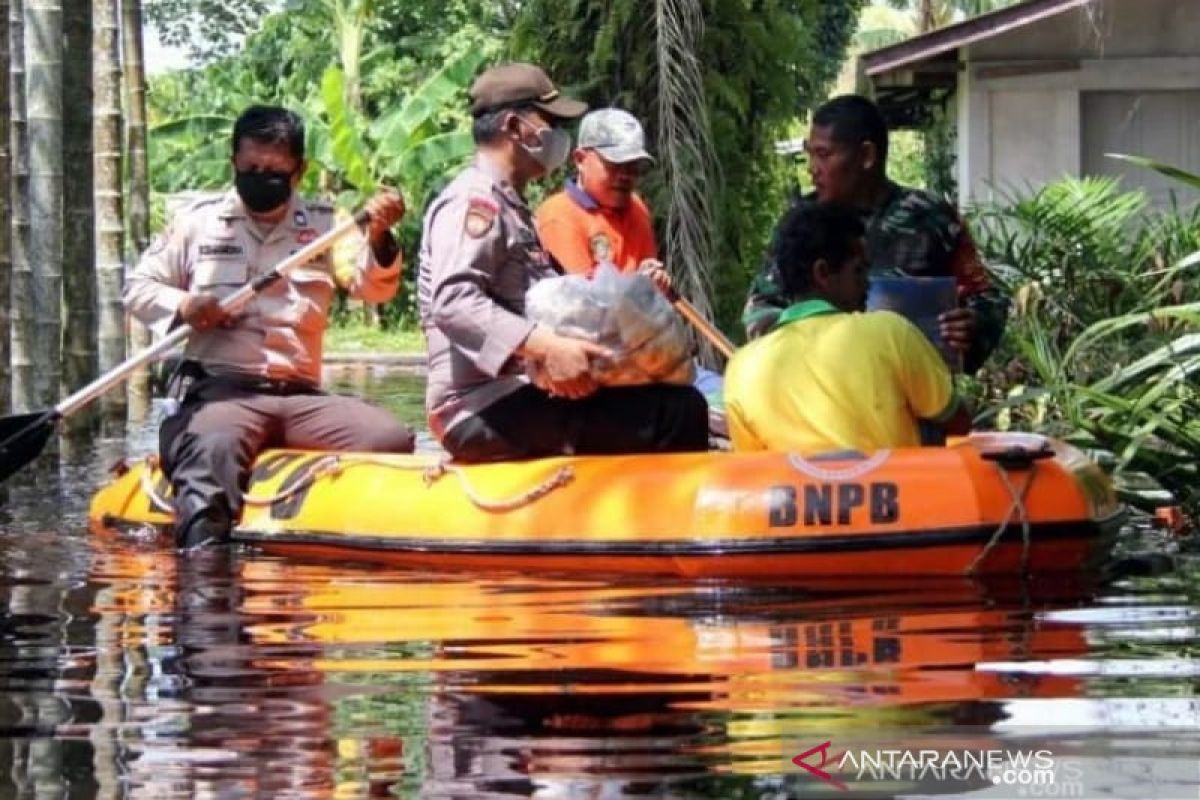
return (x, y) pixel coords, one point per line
(233, 303)
(318, 246)
(706, 328)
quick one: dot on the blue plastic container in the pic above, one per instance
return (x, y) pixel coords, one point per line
(921, 301)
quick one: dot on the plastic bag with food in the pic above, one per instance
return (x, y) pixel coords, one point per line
(622, 312)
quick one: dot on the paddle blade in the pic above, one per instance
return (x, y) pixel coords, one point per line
(22, 437)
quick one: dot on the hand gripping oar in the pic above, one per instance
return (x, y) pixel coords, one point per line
(706, 328)
(22, 436)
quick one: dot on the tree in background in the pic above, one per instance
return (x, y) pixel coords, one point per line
(207, 28)
(78, 300)
(24, 391)
(43, 97)
(761, 64)
(924, 16)
(929, 15)
(744, 71)
(688, 157)
(137, 181)
(109, 216)
(5, 214)
(409, 128)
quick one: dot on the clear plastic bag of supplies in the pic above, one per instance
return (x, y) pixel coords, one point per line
(624, 313)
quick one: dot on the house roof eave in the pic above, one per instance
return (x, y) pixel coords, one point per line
(952, 37)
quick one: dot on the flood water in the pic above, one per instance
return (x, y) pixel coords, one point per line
(129, 672)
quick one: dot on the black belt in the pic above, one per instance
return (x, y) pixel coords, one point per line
(262, 385)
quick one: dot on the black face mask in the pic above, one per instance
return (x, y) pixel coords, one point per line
(263, 191)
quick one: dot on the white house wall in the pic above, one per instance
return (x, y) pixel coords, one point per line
(1028, 129)
(1022, 96)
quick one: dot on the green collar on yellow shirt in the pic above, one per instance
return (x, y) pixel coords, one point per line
(805, 309)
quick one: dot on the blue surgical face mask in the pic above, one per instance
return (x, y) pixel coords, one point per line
(552, 149)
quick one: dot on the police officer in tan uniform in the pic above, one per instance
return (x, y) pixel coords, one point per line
(479, 255)
(251, 381)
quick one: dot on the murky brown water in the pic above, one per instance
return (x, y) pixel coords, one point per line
(127, 672)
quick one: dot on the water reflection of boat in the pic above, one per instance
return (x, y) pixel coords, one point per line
(996, 503)
(558, 686)
(756, 644)
(253, 676)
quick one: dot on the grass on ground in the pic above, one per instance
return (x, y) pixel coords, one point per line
(356, 337)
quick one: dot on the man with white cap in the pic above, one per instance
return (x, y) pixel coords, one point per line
(599, 217)
(479, 256)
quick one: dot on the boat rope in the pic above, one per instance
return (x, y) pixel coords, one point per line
(332, 465)
(855, 471)
(1016, 512)
(322, 467)
(561, 477)
(156, 499)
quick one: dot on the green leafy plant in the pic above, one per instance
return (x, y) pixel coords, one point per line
(1104, 344)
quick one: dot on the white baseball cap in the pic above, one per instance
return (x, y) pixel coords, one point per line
(615, 134)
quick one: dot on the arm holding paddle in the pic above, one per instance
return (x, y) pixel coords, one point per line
(23, 436)
(166, 289)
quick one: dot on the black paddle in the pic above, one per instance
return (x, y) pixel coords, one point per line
(22, 436)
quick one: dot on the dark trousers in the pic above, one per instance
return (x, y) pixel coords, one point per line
(529, 423)
(208, 448)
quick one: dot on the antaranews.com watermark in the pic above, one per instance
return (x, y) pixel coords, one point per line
(1138, 768)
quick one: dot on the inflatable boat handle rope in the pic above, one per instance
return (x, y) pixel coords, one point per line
(852, 473)
(332, 465)
(1016, 511)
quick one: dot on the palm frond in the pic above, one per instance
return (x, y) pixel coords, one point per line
(1183, 176)
(686, 149)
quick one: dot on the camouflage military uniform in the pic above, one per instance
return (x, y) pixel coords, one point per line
(910, 233)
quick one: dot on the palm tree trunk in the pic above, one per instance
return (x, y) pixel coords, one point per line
(43, 96)
(79, 217)
(5, 214)
(139, 182)
(110, 228)
(926, 17)
(24, 394)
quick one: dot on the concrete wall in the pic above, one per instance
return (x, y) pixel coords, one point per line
(1129, 67)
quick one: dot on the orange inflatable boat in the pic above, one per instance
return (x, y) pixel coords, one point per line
(989, 503)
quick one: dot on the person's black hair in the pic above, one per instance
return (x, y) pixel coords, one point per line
(270, 125)
(489, 124)
(810, 232)
(852, 120)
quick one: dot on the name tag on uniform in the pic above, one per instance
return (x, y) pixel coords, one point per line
(221, 250)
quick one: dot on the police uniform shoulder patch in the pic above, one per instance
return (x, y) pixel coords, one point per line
(481, 215)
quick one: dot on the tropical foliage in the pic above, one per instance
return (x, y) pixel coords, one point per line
(760, 66)
(716, 83)
(886, 22)
(1104, 343)
(382, 101)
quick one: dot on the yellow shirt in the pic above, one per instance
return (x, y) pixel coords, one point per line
(825, 381)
